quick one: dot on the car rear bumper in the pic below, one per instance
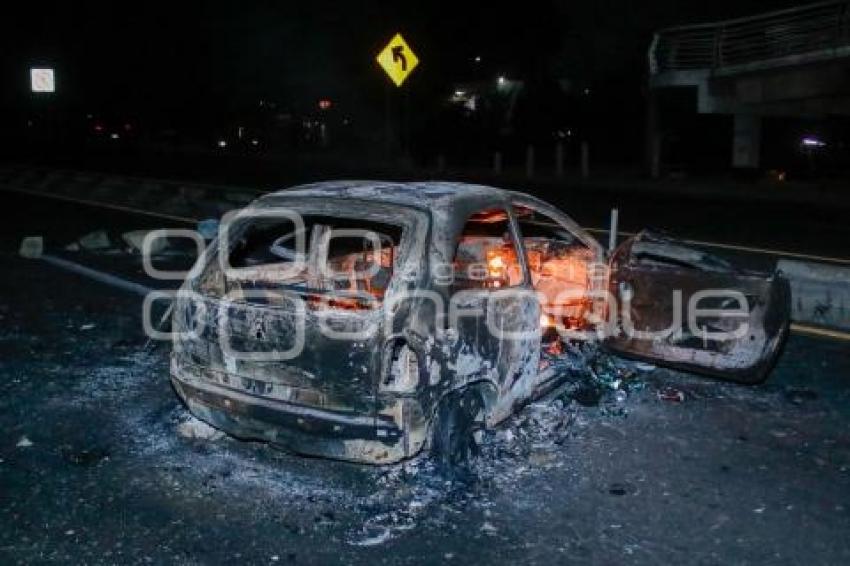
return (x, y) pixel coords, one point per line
(373, 439)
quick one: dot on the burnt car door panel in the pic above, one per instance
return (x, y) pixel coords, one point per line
(494, 313)
(682, 307)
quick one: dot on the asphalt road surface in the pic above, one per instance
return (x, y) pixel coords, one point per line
(100, 464)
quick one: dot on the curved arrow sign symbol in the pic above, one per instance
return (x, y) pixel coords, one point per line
(398, 53)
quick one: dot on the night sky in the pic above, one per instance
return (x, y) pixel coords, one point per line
(185, 57)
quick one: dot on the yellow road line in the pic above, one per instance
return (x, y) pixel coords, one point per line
(795, 327)
(101, 205)
(820, 332)
(748, 249)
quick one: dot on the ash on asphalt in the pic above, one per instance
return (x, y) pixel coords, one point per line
(115, 470)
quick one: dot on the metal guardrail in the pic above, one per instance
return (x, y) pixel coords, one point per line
(761, 38)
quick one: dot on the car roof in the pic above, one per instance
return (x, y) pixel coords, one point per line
(426, 194)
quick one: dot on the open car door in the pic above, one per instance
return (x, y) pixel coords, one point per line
(681, 307)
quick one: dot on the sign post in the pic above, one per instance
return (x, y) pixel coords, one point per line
(398, 61)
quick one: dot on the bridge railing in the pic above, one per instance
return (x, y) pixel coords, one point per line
(761, 38)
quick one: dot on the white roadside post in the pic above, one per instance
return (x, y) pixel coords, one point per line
(612, 234)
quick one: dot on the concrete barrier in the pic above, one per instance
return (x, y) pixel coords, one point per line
(820, 293)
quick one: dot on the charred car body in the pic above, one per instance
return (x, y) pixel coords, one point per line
(364, 321)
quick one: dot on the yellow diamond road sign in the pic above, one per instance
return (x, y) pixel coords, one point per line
(397, 59)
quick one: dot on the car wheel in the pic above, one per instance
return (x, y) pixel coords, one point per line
(453, 443)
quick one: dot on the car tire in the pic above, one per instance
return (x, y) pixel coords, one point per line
(453, 444)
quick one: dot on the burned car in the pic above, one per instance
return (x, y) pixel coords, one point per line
(366, 321)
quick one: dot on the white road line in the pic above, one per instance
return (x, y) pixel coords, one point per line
(99, 276)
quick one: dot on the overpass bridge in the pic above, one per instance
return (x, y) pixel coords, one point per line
(787, 63)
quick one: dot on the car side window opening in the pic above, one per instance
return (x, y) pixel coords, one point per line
(559, 264)
(347, 263)
(266, 242)
(487, 256)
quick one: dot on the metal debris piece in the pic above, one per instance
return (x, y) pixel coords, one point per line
(195, 429)
(32, 247)
(136, 239)
(672, 395)
(95, 241)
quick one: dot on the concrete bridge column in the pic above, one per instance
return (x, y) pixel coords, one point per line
(746, 144)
